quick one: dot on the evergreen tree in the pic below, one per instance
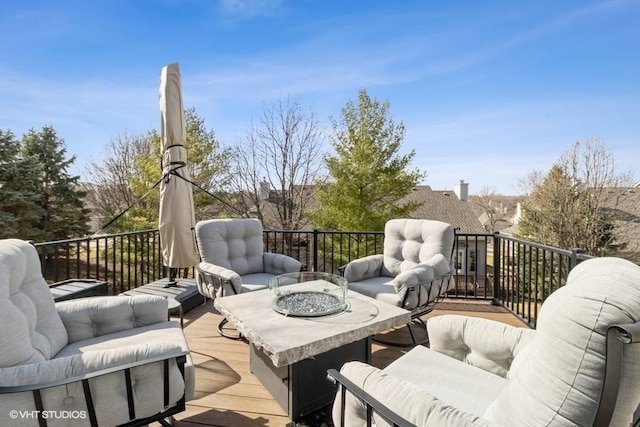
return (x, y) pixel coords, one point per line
(19, 209)
(61, 199)
(367, 176)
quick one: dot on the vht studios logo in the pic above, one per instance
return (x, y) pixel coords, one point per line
(74, 415)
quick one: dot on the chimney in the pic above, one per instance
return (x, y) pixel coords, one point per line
(462, 190)
(265, 189)
(518, 216)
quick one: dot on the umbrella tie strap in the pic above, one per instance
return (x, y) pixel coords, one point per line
(174, 171)
(158, 183)
(117, 217)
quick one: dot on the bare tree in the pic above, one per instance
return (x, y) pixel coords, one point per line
(109, 179)
(128, 174)
(493, 210)
(575, 204)
(277, 163)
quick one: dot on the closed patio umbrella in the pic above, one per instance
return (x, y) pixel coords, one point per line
(177, 220)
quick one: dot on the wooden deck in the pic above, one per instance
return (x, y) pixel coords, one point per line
(228, 395)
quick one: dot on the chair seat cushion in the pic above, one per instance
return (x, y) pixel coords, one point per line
(380, 288)
(408, 388)
(466, 387)
(255, 282)
(158, 332)
(109, 391)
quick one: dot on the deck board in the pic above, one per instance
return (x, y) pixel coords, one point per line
(228, 395)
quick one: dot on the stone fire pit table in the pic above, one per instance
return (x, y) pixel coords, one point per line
(290, 355)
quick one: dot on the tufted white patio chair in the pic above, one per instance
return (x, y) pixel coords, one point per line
(580, 367)
(414, 271)
(102, 361)
(234, 261)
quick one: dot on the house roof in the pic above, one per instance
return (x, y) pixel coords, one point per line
(445, 206)
(627, 219)
(436, 205)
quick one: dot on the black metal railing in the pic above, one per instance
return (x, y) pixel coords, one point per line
(525, 274)
(124, 261)
(511, 272)
(324, 251)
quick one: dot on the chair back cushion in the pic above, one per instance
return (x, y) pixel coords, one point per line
(408, 242)
(31, 330)
(557, 379)
(233, 243)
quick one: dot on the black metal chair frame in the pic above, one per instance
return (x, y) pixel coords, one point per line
(372, 404)
(422, 309)
(419, 311)
(165, 418)
(218, 283)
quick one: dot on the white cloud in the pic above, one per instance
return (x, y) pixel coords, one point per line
(250, 8)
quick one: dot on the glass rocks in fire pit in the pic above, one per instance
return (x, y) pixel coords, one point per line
(308, 294)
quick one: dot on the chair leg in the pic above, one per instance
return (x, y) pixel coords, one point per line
(220, 327)
(413, 342)
(226, 335)
(423, 325)
(167, 422)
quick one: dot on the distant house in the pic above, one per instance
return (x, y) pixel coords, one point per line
(447, 206)
(627, 221)
(451, 206)
(454, 208)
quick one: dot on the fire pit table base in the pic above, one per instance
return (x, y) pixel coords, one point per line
(302, 387)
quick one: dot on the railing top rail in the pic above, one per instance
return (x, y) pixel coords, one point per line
(536, 245)
(463, 234)
(94, 237)
(273, 230)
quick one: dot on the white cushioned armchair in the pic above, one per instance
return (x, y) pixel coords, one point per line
(101, 361)
(485, 373)
(233, 258)
(413, 272)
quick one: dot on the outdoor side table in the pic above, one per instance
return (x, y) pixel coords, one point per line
(78, 288)
(174, 306)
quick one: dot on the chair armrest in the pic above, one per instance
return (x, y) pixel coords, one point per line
(392, 400)
(81, 382)
(365, 398)
(216, 281)
(628, 333)
(280, 263)
(70, 369)
(412, 286)
(92, 317)
(424, 283)
(363, 268)
(483, 343)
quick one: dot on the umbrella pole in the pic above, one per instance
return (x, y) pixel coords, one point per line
(173, 273)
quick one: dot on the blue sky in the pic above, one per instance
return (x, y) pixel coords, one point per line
(489, 91)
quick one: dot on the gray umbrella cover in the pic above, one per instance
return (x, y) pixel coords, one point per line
(177, 220)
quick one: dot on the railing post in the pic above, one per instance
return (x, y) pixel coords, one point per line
(315, 249)
(496, 269)
(573, 260)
